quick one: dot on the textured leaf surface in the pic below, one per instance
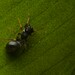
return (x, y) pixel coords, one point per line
(51, 49)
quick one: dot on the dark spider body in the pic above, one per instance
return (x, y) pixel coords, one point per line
(19, 44)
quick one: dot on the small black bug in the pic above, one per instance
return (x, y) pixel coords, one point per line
(19, 43)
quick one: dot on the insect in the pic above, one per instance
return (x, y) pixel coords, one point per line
(16, 45)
